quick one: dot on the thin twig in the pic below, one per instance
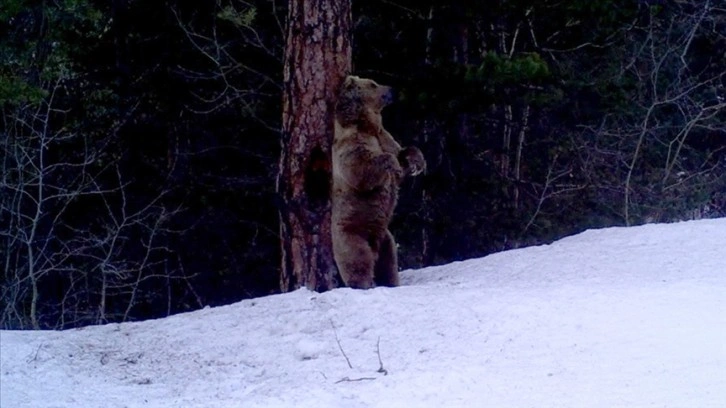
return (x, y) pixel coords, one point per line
(378, 352)
(35, 356)
(337, 340)
(346, 379)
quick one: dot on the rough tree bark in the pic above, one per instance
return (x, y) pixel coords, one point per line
(317, 58)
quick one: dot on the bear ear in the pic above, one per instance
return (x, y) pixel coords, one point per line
(350, 81)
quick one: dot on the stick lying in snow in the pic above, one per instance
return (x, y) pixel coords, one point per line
(378, 351)
(35, 357)
(346, 379)
(337, 340)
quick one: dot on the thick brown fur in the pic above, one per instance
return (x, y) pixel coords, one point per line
(368, 167)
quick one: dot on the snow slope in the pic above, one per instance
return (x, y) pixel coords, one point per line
(619, 317)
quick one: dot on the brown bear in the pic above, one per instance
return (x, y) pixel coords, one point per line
(368, 166)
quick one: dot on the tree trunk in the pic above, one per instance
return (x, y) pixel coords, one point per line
(317, 58)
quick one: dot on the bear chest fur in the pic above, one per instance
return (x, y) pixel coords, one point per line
(369, 209)
(364, 193)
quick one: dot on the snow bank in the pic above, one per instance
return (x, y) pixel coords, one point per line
(614, 317)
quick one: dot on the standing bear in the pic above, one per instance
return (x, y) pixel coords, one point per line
(368, 167)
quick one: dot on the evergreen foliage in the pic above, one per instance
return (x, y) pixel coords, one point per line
(139, 141)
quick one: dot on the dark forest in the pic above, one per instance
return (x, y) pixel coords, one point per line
(140, 141)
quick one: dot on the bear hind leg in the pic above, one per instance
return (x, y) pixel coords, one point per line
(386, 269)
(355, 259)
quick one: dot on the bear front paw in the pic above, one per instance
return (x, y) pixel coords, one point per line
(412, 160)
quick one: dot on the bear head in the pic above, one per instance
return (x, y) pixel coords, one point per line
(359, 98)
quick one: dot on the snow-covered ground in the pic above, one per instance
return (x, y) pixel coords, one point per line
(619, 317)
